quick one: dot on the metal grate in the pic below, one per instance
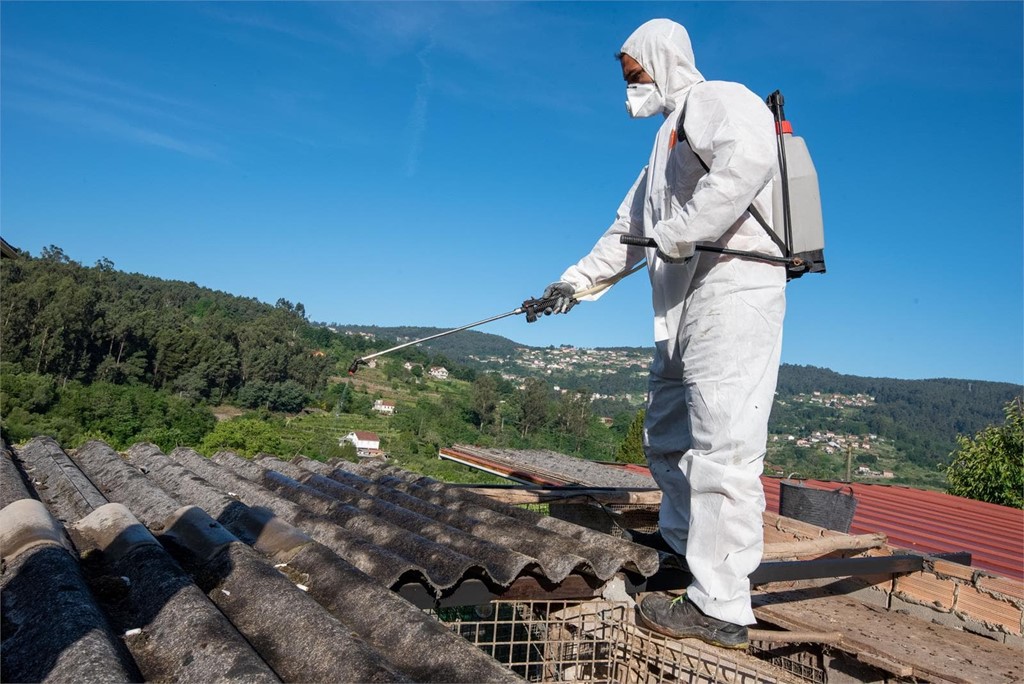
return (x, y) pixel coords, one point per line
(638, 517)
(547, 641)
(797, 659)
(543, 641)
(613, 519)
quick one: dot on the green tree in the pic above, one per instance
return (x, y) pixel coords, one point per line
(632, 448)
(288, 396)
(485, 401)
(534, 406)
(574, 416)
(245, 436)
(55, 254)
(990, 466)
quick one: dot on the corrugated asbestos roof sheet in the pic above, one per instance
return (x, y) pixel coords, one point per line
(539, 466)
(167, 567)
(924, 521)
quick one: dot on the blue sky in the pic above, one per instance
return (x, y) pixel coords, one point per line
(436, 164)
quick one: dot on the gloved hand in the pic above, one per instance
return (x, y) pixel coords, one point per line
(669, 251)
(672, 260)
(564, 293)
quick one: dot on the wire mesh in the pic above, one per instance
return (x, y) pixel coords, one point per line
(806, 664)
(610, 518)
(638, 517)
(544, 641)
(595, 641)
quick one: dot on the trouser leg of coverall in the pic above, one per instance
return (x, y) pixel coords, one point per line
(705, 436)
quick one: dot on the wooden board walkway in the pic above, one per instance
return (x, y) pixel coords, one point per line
(901, 644)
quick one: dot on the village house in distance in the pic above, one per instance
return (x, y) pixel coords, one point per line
(384, 407)
(366, 443)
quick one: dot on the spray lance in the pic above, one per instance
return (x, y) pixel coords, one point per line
(796, 208)
(533, 308)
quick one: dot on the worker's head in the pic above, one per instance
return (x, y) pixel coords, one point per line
(658, 66)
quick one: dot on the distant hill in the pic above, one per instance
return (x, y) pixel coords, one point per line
(922, 416)
(92, 351)
(459, 347)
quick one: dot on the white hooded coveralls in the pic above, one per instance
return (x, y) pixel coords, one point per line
(717, 319)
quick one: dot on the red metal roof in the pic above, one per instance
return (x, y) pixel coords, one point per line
(928, 522)
(923, 521)
(932, 522)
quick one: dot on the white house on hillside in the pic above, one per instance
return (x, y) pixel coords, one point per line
(366, 443)
(385, 407)
(439, 372)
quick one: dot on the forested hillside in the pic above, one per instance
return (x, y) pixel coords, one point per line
(461, 347)
(98, 352)
(99, 324)
(922, 417)
(92, 352)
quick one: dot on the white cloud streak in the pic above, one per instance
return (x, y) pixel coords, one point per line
(111, 125)
(418, 116)
(73, 96)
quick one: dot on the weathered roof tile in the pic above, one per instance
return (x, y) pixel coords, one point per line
(198, 601)
(172, 629)
(53, 628)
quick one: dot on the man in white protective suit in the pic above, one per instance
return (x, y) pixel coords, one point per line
(717, 322)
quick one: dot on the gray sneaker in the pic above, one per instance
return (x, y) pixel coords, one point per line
(680, 619)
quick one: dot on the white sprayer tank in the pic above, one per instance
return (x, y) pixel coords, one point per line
(804, 197)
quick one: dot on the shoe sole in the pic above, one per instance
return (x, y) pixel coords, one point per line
(702, 635)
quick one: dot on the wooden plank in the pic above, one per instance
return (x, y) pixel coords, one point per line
(894, 641)
(774, 636)
(822, 546)
(782, 571)
(534, 495)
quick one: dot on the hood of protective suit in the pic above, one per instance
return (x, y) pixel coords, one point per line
(662, 47)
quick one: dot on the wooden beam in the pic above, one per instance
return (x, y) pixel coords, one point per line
(539, 495)
(771, 636)
(822, 546)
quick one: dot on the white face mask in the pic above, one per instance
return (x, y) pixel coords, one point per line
(643, 100)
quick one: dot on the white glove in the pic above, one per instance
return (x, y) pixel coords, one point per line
(672, 252)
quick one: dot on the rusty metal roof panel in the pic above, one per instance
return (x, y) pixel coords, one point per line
(932, 522)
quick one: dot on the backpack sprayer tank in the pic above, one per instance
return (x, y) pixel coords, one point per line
(796, 198)
(798, 229)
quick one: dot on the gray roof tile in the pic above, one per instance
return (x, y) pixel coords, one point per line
(604, 553)
(556, 467)
(173, 630)
(53, 629)
(223, 569)
(12, 482)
